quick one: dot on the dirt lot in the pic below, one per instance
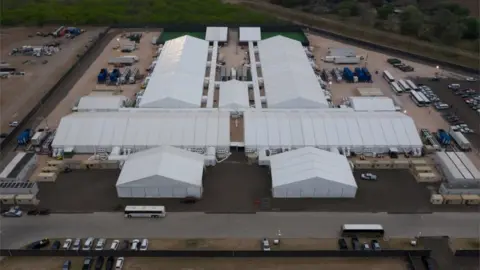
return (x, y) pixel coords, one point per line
(20, 93)
(88, 81)
(45, 263)
(227, 191)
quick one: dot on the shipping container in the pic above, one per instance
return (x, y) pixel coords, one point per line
(368, 75)
(347, 74)
(443, 137)
(102, 75)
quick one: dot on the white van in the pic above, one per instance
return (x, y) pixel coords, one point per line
(454, 86)
(88, 243)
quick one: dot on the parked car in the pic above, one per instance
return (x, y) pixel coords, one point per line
(32, 212)
(56, 245)
(365, 246)
(67, 244)
(13, 212)
(77, 244)
(125, 245)
(67, 265)
(100, 244)
(375, 245)
(342, 244)
(144, 245)
(135, 244)
(13, 124)
(39, 244)
(265, 244)
(119, 263)
(87, 263)
(115, 244)
(110, 262)
(87, 245)
(99, 263)
(355, 243)
(368, 176)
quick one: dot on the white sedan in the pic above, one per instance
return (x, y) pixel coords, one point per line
(368, 176)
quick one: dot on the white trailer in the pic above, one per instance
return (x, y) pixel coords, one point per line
(346, 60)
(121, 60)
(460, 139)
(38, 137)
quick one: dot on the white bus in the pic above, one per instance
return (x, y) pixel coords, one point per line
(404, 85)
(396, 88)
(412, 85)
(362, 229)
(426, 100)
(387, 76)
(418, 98)
(144, 211)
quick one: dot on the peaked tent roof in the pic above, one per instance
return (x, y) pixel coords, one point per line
(289, 79)
(178, 75)
(180, 166)
(307, 163)
(234, 94)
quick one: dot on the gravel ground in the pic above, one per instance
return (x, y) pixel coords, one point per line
(19, 94)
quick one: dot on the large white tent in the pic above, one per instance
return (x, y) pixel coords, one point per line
(101, 103)
(311, 173)
(359, 132)
(289, 79)
(178, 77)
(189, 129)
(162, 172)
(234, 95)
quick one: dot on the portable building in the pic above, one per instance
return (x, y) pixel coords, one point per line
(311, 173)
(346, 60)
(234, 95)
(101, 103)
(460, 139)
(457, 167)
(16, 187)
(249, 34)
(345, 129)
(122, 60)
(219, 34)
(178, 78)
(381, 104)
(460, 188)
(289, 80)
(162, 172)
(18, 167)
(342, 52)
(369, 92)
(189, 129)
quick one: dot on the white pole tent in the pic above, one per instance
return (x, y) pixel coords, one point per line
(195, 130)
(161, 172)
(348, 131)
(178, 78)
(234, 95)
(101, 103)
(311, 173)
(289, 79)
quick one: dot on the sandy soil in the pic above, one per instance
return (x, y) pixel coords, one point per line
(18, 94)
(87, 84)
(46, 263)
(232, 53)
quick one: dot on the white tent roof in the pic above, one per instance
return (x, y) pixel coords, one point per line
(140, 130)
(234, 94)
(289, 79)
(250, 34)
(217, 34)
(308, 163)
(329, 128)
(175, 166)
(178, 78)
(372, 104)
(92, 103)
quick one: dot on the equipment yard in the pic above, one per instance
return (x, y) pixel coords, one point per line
(20, 93)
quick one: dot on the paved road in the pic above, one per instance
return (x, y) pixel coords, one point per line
(16, 232)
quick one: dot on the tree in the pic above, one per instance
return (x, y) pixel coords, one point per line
(392, 22)
(442, 19)
(350, 5)
(452, 33)
(368, 16)
(344, 13)
(472, 28)
(411, 20)
(384, 11)
(455, 9)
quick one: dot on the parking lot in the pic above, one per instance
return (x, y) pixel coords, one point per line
(236, 187)
(53, 263)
